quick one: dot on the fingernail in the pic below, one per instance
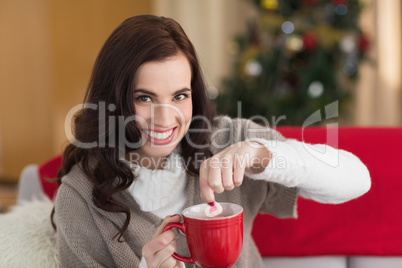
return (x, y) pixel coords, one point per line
(174, 215)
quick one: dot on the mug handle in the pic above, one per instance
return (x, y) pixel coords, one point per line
(180, 226)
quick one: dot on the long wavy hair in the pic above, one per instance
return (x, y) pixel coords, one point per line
(137, 40)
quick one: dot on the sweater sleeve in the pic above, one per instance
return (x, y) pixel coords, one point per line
(321, 173)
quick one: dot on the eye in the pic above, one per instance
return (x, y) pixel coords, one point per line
(181, 97)
(143, 98)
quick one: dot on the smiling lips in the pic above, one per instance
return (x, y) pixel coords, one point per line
(160, 138)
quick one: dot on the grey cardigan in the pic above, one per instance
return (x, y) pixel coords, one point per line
(85, 232)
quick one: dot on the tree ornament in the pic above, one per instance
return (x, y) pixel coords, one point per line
(311, 2)
(341, 10)
(363, 43)
(315, 89)
(294, 43)
(270, 4)
(212, 92)
(339, 2)
(349, 69)
(310, 41)
(288, 27)
(348, 44)
(253, 68)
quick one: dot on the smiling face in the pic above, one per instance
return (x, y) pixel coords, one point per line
(163, 106)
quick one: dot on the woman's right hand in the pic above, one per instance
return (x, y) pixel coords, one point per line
(158, 252)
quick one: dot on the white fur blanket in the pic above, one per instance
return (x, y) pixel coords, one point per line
(27, 238)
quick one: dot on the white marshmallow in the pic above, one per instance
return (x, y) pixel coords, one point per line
(213, 211)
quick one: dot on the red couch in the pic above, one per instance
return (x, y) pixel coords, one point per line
(369, 225)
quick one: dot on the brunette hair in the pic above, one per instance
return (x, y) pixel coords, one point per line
(137, 40)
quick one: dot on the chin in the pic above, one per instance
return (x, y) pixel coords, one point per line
(158, 152)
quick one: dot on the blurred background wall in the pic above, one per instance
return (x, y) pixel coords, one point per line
(48, 47)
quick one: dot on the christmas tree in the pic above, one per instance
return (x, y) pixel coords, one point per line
(296, 57)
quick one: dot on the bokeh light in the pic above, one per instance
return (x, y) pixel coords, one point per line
(288, 27)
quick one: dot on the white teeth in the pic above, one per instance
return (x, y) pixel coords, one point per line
(158, 135)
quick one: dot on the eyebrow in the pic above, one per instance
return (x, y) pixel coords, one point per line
(139, 90)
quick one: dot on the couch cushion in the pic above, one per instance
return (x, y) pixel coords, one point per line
(305, 262)
(375, 262)
(48, 174)
(368, 225)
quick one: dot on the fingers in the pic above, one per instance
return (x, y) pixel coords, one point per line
(207, 193)
(238, 172)
(215, 175)
(168, 219)
(219, 173)
(159, 249)
(225, 170)
(158, 252)
(165, 256)
(158, 243)
(227, 173)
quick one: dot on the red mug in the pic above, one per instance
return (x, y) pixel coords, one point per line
(212, 242)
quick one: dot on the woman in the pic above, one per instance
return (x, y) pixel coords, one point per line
(148, 145)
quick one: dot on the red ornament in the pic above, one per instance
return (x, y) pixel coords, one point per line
(310, 41)
(338, 2)
(311, 2)
(364, 43)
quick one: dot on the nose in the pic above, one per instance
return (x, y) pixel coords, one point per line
(165, 115)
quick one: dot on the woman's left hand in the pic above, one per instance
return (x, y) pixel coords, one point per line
(225, 170)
